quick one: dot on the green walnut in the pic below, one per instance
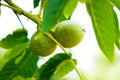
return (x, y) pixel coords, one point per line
(41, 44)
(68, 33)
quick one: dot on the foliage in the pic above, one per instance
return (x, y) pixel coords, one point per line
(36, 3)
(18, 37)
(100, 19)
(55, 67)
(20, 65)
(18, 59)
(62, 11)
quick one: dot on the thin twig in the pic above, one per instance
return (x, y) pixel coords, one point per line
(19, 20)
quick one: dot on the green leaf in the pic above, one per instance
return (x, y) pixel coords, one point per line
(19, 78)
(18, 37)
(24, 64)
(116, 3)
(118, 41)
(51, 66)
(82, 1)
(62, 69)
(52, 13)
(36, 3)
(118, 44)
(101, 13)
(0, 9)
(117, 36)
(70, 7)
(43, 4)
(12, 53)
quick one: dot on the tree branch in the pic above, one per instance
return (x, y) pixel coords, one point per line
(19, 10)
